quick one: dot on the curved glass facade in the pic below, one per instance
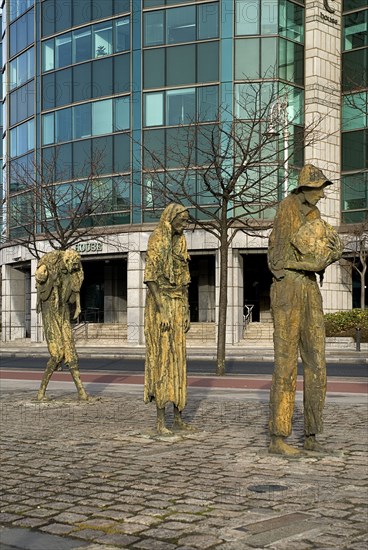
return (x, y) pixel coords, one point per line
(354, 157)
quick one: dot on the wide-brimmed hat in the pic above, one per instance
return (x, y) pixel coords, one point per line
(311, 176)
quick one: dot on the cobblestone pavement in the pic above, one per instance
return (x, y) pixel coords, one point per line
(94, 476)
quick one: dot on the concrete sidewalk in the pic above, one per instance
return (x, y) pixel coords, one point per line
(94, 475)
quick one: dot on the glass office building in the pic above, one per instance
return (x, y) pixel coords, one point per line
(85, 80)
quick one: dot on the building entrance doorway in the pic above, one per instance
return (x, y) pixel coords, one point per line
(202, 289)
(257, 285)
(104, 291)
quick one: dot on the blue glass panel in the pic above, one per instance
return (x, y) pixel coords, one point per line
(82, 119)
(82, 45)
(248, 16)
(208, 21)
(181, 25)
(122, 35)
(154, 28)
(180, 106)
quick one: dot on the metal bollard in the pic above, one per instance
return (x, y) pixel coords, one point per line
(357, 338)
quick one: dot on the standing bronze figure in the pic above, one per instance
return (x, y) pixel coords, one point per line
(167, 316)
(59, 277)
(301, 245)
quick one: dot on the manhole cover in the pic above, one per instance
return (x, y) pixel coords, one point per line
(267, 488)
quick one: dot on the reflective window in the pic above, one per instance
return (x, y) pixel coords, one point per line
(291, 61)
(182, 24)
(102, 34)
(22, 103)
(63, 125)
(82, 121)
(354, 111)
(17, 7)
(154, 28)
(63, 50)
(247, 58)
(291, 21)
(59, 15)
(22, 33)
(355, 191)
(269, 17)
(82, 44)
(22, 68)
(355, 150)
(181, 106)
(22, 138)
(353, 4)
(247, 17)
(355, 27)
(354, 69)
(89, 42)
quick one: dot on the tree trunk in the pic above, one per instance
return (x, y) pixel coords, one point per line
(362, 286)
(221, 329)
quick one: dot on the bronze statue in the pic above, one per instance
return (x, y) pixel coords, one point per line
(167, 317)
(301, 245)
(59, 277)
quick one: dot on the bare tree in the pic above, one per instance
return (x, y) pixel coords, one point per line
(54, 208)
(231, 174)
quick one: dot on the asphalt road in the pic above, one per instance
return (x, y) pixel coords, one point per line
(195, 366)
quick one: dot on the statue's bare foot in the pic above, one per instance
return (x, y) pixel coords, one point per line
(180, 425)
(162, 430)
(311, 444)
(279, 447)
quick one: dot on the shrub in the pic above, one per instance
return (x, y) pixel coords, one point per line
(345, 323)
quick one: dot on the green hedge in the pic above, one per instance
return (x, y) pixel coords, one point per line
(344, 323)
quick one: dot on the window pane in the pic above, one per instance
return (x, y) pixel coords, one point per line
(154, 109)
(207, 62)
(63, 87)
(269, 17)
(122, 144)
(356, 30)
(82, 85)
(81, 11)
(102, 9)
(354, 113)
(207, 103)
(154, 67)
(154, 28)
(180, 25)
(269, 57)
(103, 148)
(102, 77)
(121, 80)
(122, 114)
(291, 61)
(48, 55)
(63, 125)
(102, 117)
(354, 69)
(247, 17)
(122, 35)
(180, 106)
(355, 191)
(82, 45)
(48, 129)
(208, 21)
(354, 150)
(102, 39)
(63, 50)
(291, 21)
(82, 121)
(48, 91)
(247, 58)
(180, 65)
(121, 6)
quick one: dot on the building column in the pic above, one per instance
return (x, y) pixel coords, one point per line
(13, 303)
(136, 294)
(37, 334)
(323, 103)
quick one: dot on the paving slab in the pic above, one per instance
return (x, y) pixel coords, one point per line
(95, 476)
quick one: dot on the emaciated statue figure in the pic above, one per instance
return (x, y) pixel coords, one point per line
(167, 317)
(59, 277)
(301, 245)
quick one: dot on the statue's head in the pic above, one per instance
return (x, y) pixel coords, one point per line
(72, 261)
(311, 183)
